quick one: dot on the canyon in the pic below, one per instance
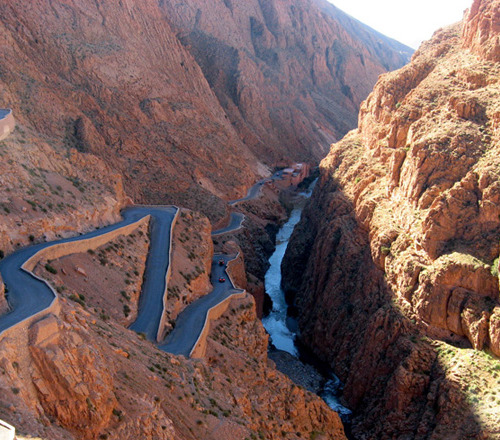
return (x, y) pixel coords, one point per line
(392, 270)
(128, 83)
(399, 273)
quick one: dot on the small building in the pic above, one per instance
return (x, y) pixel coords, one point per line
(7, 123)
(295, 174)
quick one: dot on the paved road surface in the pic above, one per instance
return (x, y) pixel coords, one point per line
(252, 193)
(28, 295)
(153, 286)
(236, 220)
(190, 322)
(235, 223)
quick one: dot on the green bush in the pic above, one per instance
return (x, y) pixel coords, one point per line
(50, 268)
(126, 310)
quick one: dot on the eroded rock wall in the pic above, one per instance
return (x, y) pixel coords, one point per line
(184, 108)
(289, 74)
(399, 246)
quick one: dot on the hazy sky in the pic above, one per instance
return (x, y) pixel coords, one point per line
(409, 22)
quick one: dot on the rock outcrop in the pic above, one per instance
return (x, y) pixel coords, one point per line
(407, 242)
(65, 385)
(482, 28)
(84, 376)
(285, 410)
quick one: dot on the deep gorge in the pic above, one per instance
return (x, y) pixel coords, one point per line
(393, 265)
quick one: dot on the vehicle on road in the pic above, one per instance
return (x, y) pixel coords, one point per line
(221, 262)
(222, 280)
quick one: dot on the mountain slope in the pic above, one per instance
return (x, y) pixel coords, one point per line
(112, 79)
(289, 74)
(186, 123)
(401, 267)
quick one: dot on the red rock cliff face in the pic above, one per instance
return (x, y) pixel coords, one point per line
(289, 74)
(111, 78)
(407, 243)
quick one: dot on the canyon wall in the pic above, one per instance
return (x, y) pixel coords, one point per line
(112, 79)
(289, 74)
(186, 101)
(401, 265)
(82, 375)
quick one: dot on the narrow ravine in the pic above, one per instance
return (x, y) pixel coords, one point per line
(281, 328)
(275, 323)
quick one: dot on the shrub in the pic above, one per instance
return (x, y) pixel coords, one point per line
(50, 268)
(385, 250)
(126, 310)
(494, 267)
(77, 299)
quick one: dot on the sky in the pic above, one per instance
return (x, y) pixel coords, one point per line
(408, 21)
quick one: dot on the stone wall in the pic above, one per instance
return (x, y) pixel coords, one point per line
(235, 270)
(7, 124)
(4, 306)
(214, 313)
(72, 247)
(19, 331)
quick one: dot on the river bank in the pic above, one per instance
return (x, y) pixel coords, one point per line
(282, 328)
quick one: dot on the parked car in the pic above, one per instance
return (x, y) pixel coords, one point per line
(222, 280)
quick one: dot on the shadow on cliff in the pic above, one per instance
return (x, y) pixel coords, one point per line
(349, 317)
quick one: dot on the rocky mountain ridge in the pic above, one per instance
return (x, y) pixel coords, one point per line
(115, 102)
(401, 269)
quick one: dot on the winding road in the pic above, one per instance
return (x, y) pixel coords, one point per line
(235, 223)
(190, 322)
(29, 295)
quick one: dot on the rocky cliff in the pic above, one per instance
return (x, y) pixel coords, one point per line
(82, 375)
(402, 264)
(184, 108)
(112, 79)
(289, 74)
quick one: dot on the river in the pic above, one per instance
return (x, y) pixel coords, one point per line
(278, 325)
